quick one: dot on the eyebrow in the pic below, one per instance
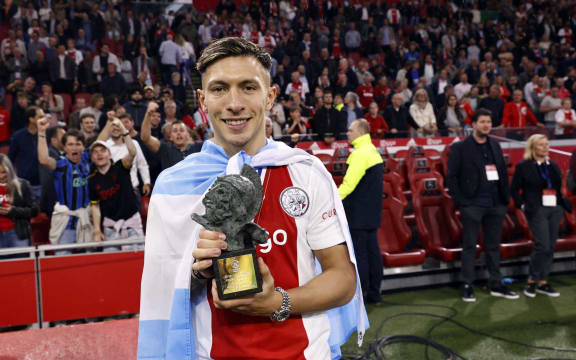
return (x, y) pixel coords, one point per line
(222, 82)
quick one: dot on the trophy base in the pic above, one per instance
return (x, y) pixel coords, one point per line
(237, 274)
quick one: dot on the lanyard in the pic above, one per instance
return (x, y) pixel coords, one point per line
(545, 174)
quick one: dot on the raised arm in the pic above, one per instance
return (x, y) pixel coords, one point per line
(43, 154)
(151, 142)
(129, 158)
(105, 133)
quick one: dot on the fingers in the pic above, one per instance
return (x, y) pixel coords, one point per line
(111, 115)
(210, 244)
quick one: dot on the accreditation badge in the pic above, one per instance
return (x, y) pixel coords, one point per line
(548, 197)
(491, 173)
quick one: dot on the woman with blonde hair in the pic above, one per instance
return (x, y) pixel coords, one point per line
(536, 189)
(17, 207)
(422, 112)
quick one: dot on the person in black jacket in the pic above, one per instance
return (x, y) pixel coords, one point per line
(398, 118)
(478, 183)
(539, 179)
(17, 207)
(328, 123)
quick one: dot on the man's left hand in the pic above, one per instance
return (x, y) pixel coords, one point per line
(146, 189)
(260, 304)
(5, 209)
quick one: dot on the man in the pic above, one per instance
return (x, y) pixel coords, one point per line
(180, 145)
(88, 126)
(136, 107)
(55, 150)
(398, 118)
(113, 83)
(378, 126)
(23, 153)
(112, 202)
(517, 113)
(70, 220)
(549, 106)
(236, 101)
(74, 118)
(62, 71)
(101, 61)
(361, 194)
(169, 57)
(18, 119)
(477, 180)
(328, 122)
(118, 147)
(463, 87)
(495, 104)
(297, 85)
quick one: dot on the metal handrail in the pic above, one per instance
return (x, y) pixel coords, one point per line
(49, 247)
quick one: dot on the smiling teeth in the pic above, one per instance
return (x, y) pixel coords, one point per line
(235, 122)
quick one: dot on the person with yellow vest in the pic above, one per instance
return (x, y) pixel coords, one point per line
(361, 194)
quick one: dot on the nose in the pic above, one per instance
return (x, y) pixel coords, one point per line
(235, 104)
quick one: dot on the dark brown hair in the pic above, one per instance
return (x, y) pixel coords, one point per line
(229, 47)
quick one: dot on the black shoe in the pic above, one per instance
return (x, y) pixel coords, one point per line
(530, 290)
(468, 293)
(503, 291)
(546, 289)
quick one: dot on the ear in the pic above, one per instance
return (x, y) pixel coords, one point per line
(202, 100)
(272, 93)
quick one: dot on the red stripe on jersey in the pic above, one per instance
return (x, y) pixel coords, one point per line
(238, 336)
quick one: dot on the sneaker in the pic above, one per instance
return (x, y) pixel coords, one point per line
(468, 293)
(530, 290)
(546, 289)
(503, 291)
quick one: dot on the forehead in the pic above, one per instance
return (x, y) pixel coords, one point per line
(236, 69)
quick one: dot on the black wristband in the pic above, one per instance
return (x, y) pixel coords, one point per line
(198, 275)
(126, 134)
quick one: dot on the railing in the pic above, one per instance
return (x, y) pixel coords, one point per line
(44, 288)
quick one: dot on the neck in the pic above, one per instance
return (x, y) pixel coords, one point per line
(250, 148)
(540, 158)
(104, 168)
(32, 128)
(480, 139)
(117, 140)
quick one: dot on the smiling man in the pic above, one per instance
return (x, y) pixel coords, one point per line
(181, 315)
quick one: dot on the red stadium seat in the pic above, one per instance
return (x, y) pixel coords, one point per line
(444, 159)
(395, 181)
(516, 236)
(8, 102)
(394, 234)
(145, 201)
(438, 228)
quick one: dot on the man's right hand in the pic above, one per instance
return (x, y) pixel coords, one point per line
(210, 245)
(42, 125)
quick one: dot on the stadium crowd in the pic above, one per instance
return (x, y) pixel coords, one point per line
(80, 78)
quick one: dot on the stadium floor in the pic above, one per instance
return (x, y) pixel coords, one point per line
(540, 321)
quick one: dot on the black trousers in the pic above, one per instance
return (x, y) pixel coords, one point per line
(544, 224)
(489, 220)
(369, 261)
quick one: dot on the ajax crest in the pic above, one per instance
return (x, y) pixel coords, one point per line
(294, 201)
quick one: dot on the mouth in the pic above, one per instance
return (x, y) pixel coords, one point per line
(237, 123)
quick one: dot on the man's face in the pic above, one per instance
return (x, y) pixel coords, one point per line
(29, 84)
(494, 92)
(179, 135)
(295, 76)
(80, 103)
(136, 96)
(397, 101)
(155, 119)
(100, 156)
(482, 126)
(39, 115)
(73, 149)
(57, 141)
(236, 92)
(373, 109)
(327, 98)
(517, 97)
(23, 101)
(128, 123)
(88, 124)
(353, 132)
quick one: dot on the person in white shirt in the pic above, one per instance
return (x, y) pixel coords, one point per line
(422, 112)
(101, 61)
(169, 57)
(565, 119)
(463, 87)
(119, 149)
(205, 32)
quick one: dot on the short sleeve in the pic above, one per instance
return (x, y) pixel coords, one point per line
(324, 229)
(61, 165)
(94, 196)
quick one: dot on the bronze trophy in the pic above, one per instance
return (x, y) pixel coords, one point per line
(231, 203)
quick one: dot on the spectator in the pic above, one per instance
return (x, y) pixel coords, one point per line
(136, 107)
(52, 104)
(34, 46)
(114, 206)
(170, 153)
(549, 106)
(170, 112)
(361, 194)
(177, 88)
(352, 108)
(70, 220)
(422, 112)
(113, 83)
(74, 118)
(328, 122)
(565, 119)
(366, 91)
(17, 207)
(95, 108)
(295, 123)
(88, 126)
(463, 87)
(170, 58)
(101, 61)
(378, 127)
(142, 65)
(23, 153)
(75, 54)
(541, 199)
(62, 71)
(126, 70)
(4, 125)
(55, 150)
(17, 65)
(40, 69)
(518, 114)
(297, 85)
(495, 104)
(277, 115)
(352, 38)
(452, 117)
(477, 180)
(398, 117)
(18, 119)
